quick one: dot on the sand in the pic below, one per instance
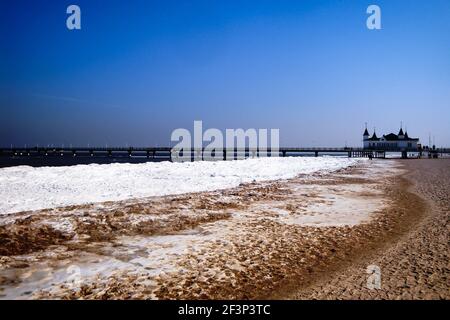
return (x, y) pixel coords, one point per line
(308, 237)
(415, 262)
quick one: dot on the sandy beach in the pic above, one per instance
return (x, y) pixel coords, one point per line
(309, 237)
(414, 261)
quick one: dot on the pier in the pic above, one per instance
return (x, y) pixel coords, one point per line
(165, 153)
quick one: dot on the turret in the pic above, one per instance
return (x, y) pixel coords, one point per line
(366, 134)
(374, 136)
(401, 135)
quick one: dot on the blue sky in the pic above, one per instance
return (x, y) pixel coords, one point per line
(139, 69)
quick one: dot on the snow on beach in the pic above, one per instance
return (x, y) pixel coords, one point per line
(26, 188)
(206, 244)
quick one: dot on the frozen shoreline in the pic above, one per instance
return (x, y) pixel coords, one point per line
(26, 188)
(209, 242)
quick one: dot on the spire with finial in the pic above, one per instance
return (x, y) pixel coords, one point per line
(366, 133)
(374, 133)
(400, 133)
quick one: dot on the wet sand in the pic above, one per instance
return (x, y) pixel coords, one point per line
(283, 239)
(415, 262)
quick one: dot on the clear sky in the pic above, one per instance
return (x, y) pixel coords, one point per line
(139, 69)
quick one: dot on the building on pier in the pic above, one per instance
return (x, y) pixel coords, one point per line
(391, 141)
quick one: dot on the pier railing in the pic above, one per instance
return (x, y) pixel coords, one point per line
(167, 152)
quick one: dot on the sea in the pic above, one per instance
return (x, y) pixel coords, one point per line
(68, 160)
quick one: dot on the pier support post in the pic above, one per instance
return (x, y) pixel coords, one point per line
(404, 155)
(316, 153)
(349, 154)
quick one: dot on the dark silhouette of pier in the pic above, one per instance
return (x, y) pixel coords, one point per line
(165, 153)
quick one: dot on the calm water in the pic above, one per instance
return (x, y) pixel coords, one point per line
(53, 161)
(67, 160)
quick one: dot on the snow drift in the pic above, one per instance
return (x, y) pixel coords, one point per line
(26, 188)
